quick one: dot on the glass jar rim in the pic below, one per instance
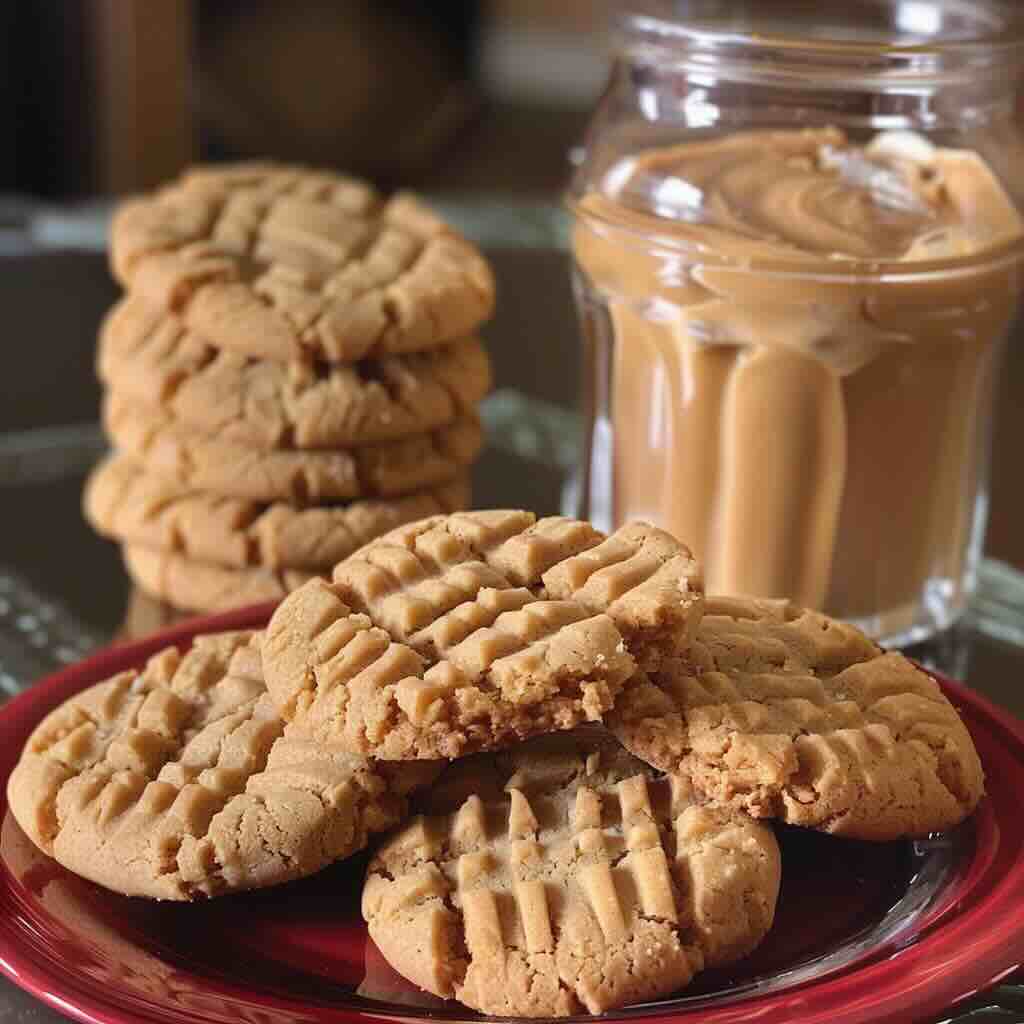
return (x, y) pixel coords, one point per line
(707, 24)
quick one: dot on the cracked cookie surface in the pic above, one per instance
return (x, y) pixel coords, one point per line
(196, 461)
(150, 355)
(125, 502)
(565, 873)
(788, 714)
(180, 781)
(471, 631)
(284, 262)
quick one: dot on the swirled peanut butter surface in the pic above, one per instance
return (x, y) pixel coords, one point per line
(802, 339)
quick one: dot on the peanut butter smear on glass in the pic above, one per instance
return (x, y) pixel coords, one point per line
(803, 335)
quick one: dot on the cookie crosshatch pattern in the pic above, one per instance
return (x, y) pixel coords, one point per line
(471, 631)
(280, 263)
(151, 356)
(575, 877)
(786, 713)
(181, 781)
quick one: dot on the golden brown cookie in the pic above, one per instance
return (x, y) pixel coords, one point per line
(196, 461)
(125, 502)
(567, 874)
(284, 262)
(470, 631)
(642, 577)
(179, 781)
(151, 356)
(785, 713)
(201, 587)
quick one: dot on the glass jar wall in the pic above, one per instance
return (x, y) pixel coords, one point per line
(797, 250)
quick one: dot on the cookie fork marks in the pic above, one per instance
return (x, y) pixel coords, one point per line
(573, 875)
(641, 577)
(786, 713)
(497, 627)
(542, 667)
(151, 356)
(181, 781)
(286, 263)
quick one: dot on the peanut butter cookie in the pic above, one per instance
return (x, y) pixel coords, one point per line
(785, 713)
(283, 262)
(470, 631)
(125, 502)
(180, 781)
(570, 875)
(151, 356)
(196, 461)
(201, 587)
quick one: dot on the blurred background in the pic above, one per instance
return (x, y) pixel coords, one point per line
(109, 96)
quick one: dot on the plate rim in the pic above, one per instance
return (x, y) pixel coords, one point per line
(901, 983)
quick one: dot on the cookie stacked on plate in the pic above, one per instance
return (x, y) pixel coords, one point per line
(593, 749)
(293, 371)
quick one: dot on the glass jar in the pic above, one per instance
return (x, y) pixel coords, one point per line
(797, 243)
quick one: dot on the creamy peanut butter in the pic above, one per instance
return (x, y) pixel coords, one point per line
(802, 337)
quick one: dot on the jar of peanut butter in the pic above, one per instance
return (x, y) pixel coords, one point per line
(797, 245)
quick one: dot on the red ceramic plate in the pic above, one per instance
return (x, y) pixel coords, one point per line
(878, 933)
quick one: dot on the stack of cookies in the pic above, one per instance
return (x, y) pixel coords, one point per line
(292, 372)
(593, 750)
